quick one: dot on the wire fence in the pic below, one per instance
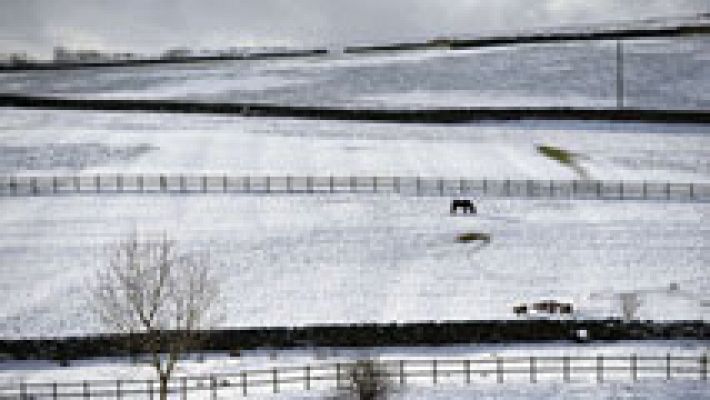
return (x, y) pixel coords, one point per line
(334, 376)
(414, 186)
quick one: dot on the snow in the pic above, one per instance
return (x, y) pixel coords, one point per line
(666, 73)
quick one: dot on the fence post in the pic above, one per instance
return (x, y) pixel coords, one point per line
(33, 185)
(244, 383)
(419, 186)
(619, 75)
(668, 366)
(309, 184)
(331, 184)
(118, 389)
(467, 370)
(54, 184)
(533, 377)
(204, 184)
(213, 387)
(247, 184)
(599, 189)
(691, 190)
(224, 183)
(461, 186)
(499, 369)
(13, 185)
(433, 371)
(401, 373)
(150, 388)
(600, 368)
(268, 184)
(565, 369)
(23, 391)
(374, 184)
(395, 183)
(98, 183)
(352, 184)
(441, 187)
(529, 187)
(87, 390)
(634, 367)
(552, 188)
(668, 190)
(621, 190)
(140, 183)
(507, 187)
(308, 377)
(485, 186)
(704, 367)
(574, 188)
(275, 380)
(55, 394)
(184, 388)
(288, 184)
(337, 375)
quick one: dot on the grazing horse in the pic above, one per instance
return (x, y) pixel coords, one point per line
(467, 206)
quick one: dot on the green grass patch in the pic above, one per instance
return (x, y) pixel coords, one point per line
(561, 155)
(473, 237)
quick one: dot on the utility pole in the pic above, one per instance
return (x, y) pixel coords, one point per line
(619, 75)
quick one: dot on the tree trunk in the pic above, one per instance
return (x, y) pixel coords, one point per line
(163, 387)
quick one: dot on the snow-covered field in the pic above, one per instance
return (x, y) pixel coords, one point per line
(307, 259)
(658, 74)
(417, 366)
(385, 257)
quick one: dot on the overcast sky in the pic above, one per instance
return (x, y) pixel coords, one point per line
(36, 26)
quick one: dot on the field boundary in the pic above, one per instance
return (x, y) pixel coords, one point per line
(420, 116)
(399, 373)
(43, 185)
(430, 333)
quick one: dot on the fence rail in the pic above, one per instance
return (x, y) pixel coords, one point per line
(415, 186)
(329, 376)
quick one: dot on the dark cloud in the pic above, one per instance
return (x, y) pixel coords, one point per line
(151, 25)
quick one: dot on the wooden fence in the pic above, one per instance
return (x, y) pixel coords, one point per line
(334, 376)
(414, 186)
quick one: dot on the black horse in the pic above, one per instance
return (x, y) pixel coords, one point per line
(467, 206)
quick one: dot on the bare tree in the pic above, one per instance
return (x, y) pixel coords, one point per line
(148, 288)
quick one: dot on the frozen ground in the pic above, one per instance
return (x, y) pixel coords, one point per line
(295, 260)
(658, 74)
(57, 142)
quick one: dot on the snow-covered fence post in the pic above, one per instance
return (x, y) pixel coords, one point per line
(288, 184)
(244, 383)
(668, 366)
(704, 367)
(461, 184)
(552, 188)
(395, 183)
(485, 185)
(55, 394)
(309, 184)
(645, 190)
(275, 379)
(441, 187)
(150, 389)
(566, 369)
(599, 189)
(23, 391)
(600, 368)
(337, 375)
(87, 390)
(533, 377)
(204, 184)
(419, 186)
(668, 190)
(574, 188)
(331, 184)
(433, 371)
(467, 370)
(401, 373)
(268, 184)
(247, 184)
(184, 388)
(633, 361)
(374, 184)
(224, 183)
(691, 191)
(33, 185)
(213, 387)
(352, 184)
(97, 181)
(54, 184)
(118, 388)
(119, 183)
(499, 369)
(141, 187)
(621, 190)
(307, 378)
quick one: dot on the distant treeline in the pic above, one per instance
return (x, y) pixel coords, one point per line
(366, 335)
(438, 43)
(54, 65)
